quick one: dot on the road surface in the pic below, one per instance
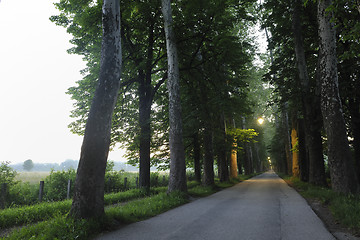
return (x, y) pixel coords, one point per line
(264, 207)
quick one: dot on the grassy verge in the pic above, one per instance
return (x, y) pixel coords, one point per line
(11, 217)
(58, 226)
(345, 208)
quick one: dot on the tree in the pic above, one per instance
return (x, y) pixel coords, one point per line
(343, 178)
(88, 199)
(311, 104)
(177, 178)
(28, 165)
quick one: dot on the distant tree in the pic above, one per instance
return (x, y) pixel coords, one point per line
(28, 165)
(69, 164)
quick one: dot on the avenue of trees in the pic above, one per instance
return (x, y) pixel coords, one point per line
(176, 84)
(315, 70)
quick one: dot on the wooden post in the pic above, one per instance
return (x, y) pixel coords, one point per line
(41, 190)
(3, 195)
(164, 180)
(137, 182)
(125, 183)
(156, 181)
(68, 189)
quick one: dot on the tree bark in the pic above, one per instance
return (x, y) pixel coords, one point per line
(177, 178)
(233, 158)
(197, 157)
(208, 179)
(343, 178)
(221, 151)
(233, 162)
(354, 108)
(303, 153)
(287, 139)
(145, 128)
(295, 152)
(310, 105)
(88, 201)
(145, 101)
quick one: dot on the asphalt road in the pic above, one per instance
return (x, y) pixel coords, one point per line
(264, 207)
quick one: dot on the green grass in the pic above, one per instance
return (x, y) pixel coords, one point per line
(62, 227)
(53, 223)
(345, 208)
(16, 216)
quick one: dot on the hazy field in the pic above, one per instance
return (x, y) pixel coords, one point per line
(32, 177)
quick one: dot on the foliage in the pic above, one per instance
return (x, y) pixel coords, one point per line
(55, 185)
(22, 193)
(28, 165)
(7, 174)
(242, 135)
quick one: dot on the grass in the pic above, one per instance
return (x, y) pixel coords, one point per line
(345, 208)
(54, 223)
(31, 177)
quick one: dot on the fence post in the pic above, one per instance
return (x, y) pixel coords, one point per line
(3, 195)
(125, 183)
(68, 189)
(137, 182)
(41, 190)
(109, 185)
(164, 180)
(156, 181)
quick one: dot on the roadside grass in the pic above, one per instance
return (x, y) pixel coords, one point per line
(345, 208)
(17, 216)
(54, 223)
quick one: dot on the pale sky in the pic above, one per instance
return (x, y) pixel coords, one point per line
(35, 73)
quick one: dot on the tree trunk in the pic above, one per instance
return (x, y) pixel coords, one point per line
(177, 178)
(295, 152)
(310, 105)
(233, 158)
(287, 139)
(233, 162)
(303, 153)
(145, 101)
(343, 178)
(88, 199)
(208, 179)
(354, 108)
(221, 151)
(197, 157)
(145, 135)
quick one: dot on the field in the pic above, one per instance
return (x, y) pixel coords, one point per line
(32, 177)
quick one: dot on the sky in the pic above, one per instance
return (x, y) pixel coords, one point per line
(35, 73)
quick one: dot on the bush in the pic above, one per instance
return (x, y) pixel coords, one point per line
(55, 185)
(23, 194)
(7, 174)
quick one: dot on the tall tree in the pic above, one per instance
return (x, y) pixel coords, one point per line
(311, 105)
(177, 178)
(88, 201)
(343, 178)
